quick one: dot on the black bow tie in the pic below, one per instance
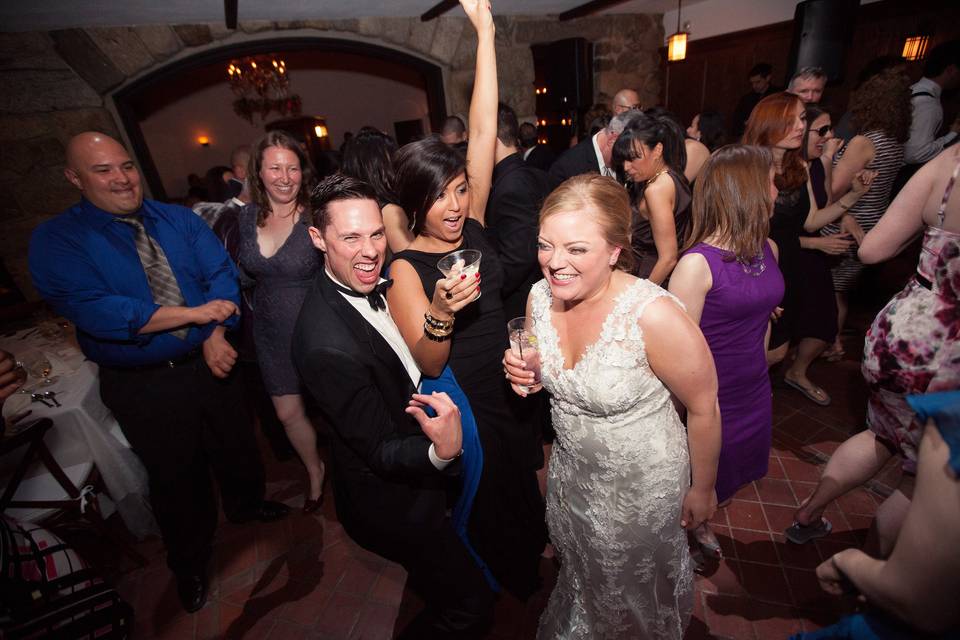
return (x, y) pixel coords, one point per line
(375, 297)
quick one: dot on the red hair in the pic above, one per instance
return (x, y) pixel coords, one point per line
(769, 123)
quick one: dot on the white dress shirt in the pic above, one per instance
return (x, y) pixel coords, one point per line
(604, 169)
(926, 121)
(383, 322)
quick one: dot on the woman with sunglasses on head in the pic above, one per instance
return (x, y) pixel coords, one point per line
(446, 322)
(778, 123)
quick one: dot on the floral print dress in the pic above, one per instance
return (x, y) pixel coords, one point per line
(913, 346)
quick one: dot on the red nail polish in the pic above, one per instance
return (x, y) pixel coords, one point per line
(462, 276)
(476, 275)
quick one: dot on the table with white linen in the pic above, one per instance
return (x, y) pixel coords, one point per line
(85, 433)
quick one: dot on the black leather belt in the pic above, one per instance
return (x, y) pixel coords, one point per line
(923, 282)
(187, 358)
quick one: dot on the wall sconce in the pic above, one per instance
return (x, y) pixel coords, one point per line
(203, 141)
(320, 131)
(543, 123)
(915, 47)
(677, 43)
(540, 91)
(542, 141)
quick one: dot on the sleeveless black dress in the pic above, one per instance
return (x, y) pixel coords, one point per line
(641, 234)
(809, 306)
(507, 523)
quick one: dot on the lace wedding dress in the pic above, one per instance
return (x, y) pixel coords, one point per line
(618, 473)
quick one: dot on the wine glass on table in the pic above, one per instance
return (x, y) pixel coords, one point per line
(38, 365)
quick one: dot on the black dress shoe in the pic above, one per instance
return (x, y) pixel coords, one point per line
(268, 511)
(192, 589)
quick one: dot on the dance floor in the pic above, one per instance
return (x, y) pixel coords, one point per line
(304, 578)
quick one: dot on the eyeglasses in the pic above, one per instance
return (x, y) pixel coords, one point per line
(824, 130)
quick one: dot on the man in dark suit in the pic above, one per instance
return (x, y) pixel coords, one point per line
(535, 154)
(389, 459)
(512, 216)
(593, 154)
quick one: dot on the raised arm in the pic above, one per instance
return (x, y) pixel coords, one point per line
(483, 109)
(817, 218)
(858, 154)
(679, 356)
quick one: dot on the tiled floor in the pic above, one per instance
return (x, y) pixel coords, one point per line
(304, 578)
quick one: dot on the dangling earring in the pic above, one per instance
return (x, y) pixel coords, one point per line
(413, 222)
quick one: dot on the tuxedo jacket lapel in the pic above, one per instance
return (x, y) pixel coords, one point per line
(364, 332)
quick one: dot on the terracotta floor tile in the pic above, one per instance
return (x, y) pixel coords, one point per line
(305, 608)
(765, 583)
(725, 538)
(340, 615)
(727, 616)
(779, 517)
(723, 578)
(798, 556)
(774, 491)
(801, 470)
(799, 427)
(806, 590)
(176, 629)
(376, 622)
(719, 517)
(286, 631)
(755, 546)
(388, 589)
(775, 621)
(507, 616)
(746, 515)
(273, 539)
(747, 492)
(235, 556)
(775, 468)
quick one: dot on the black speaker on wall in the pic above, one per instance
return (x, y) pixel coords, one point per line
(565, 69)
(822, 31)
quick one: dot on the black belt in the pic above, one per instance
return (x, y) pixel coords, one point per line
(187, 358)
(923, 282)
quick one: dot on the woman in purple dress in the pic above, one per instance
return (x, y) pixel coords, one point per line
(729, 281)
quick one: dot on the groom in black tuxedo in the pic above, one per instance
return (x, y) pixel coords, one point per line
(390, 460)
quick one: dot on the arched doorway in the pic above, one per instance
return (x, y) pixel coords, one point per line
(136, 102)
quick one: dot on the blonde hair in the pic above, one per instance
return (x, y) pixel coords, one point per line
(604, 199)
(731, 200)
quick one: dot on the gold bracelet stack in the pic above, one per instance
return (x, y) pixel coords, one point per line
(437, 330)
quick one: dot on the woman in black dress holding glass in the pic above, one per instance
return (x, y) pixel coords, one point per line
(444, 195)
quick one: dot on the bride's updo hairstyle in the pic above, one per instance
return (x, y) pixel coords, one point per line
(603, 199)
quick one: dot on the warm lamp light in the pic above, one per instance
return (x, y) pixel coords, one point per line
(320, 131)
(915, 47)
(677, 43)
(677, 47)
(203, 141)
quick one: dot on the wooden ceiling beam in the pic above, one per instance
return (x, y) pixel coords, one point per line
(438, 9)
(230, 13)
(589, 8)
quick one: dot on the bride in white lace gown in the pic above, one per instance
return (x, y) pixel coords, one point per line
(612, 349)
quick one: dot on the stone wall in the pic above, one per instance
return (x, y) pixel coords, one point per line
(56, 84)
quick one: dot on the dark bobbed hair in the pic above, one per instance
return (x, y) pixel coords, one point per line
(369, 157)
(258, 192)
(713, 130)
(423, 169)
(940, 57)
(812, 112)
(333, 189)
(508, 128)
(731, 200)
(661, 127)
(767, 125)
(216, 188)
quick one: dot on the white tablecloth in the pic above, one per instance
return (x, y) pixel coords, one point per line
(84, 430)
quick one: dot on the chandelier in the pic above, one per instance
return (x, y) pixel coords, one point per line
(262, 85)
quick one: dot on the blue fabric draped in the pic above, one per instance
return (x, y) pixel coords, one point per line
(944, 408)
(471, 461)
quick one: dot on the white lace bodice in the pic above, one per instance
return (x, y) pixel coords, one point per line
(617, 477)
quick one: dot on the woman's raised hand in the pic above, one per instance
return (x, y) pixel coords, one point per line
(452, 294)
(479, 13)
(862, 180)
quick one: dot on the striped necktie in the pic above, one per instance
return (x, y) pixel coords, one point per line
(163, 284)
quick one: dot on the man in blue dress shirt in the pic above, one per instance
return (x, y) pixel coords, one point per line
(152, 292)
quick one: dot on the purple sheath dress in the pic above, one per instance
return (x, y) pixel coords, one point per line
(734, 322)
